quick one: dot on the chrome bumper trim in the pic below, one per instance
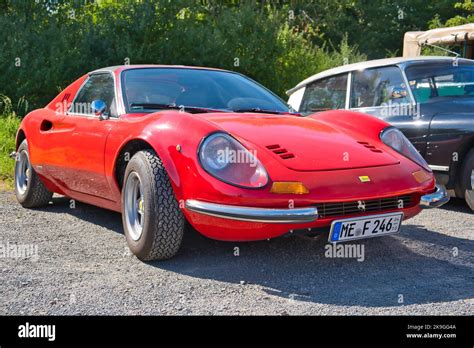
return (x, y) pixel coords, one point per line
(267, 215)
(439, 168)
(435, 199)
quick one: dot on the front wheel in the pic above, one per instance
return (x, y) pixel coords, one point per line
(152, 220)
(29, 190)
(467, 179)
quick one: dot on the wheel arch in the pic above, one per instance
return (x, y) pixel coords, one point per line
(456, 168)
(20, 137)
(130, 148)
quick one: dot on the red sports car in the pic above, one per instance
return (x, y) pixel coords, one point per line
(166, 145)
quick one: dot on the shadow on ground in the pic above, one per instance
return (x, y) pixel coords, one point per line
(296, 267)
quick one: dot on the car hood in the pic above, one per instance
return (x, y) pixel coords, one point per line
(303, 144)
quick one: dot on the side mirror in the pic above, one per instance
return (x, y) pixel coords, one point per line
(98, 107)
(398, 93)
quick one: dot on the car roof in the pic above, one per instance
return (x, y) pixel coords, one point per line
(120, 68)
(365, 65)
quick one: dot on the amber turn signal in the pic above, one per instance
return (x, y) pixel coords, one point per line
(421, 176)
(289, 187)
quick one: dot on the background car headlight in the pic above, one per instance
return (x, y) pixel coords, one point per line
(226, 159)
(396, 140)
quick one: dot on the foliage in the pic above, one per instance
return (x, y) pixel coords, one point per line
(464, 14)
(45, 45)
(377, 27)
(9, 124)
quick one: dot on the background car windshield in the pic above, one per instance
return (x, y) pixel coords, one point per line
(325, 94)
(195, 88)
(431, 81)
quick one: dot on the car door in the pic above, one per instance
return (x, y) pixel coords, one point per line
(83, 141)
(383, 92)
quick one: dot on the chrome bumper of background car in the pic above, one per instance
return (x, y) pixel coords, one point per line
(268, 215)
(435, 199)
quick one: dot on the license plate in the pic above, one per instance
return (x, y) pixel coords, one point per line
(365, 227)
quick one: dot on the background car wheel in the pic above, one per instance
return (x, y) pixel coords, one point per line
(152, 220)
(467, 179)
(29, 189)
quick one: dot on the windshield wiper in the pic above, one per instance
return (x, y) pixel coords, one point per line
(259, 111)
(172, 106)
(196, 109)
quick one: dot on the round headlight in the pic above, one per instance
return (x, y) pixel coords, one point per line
(210, 153)
(229, 161)
(394, 138)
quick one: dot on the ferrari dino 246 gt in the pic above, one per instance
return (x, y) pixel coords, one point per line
(166, 145)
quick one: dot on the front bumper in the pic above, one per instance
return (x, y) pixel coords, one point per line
(231, 222)
(265, 215)
(435, 199)
(289, 216)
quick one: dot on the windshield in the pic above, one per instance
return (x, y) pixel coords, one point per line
(437, 80)
(150, 89)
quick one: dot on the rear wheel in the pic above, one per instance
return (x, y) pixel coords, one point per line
(29, 189)
(152, 220)
(467, 179)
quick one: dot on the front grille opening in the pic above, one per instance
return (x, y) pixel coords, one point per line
(367, 206)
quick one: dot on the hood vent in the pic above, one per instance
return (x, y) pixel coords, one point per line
(369, 146)
(280, 151)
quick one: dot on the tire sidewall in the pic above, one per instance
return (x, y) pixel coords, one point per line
(468, 166)
(22, 197)
(143, 246)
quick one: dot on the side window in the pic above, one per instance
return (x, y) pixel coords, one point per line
(325, 94)
(449, 85)
(422, 89)
(98, 86)
(378, 87)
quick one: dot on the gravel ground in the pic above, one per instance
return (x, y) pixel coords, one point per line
(83, 266)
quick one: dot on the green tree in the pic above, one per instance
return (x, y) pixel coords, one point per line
(45, 44)
(377, 27)
(464, 15)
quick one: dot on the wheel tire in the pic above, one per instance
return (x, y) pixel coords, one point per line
(466, 182)
(154, 228)
(29, 190)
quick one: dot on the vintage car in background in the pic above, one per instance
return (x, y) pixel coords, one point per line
(449, 39)
(166, 145)
(430, 99)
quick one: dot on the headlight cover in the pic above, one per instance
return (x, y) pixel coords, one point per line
(394, 138)
(227, 160)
